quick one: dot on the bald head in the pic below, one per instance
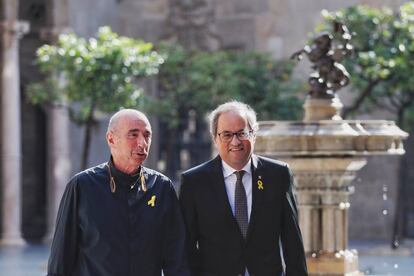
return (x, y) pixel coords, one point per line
(129, 139)
(123, 114)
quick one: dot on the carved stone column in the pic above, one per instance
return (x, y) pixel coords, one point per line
(58, 158)
(10, 31)
(323, 187)
(58, 163)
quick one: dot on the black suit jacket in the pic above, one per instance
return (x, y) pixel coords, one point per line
(215, 243)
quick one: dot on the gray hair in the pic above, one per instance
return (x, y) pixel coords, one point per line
(116, 118)
(233, 106)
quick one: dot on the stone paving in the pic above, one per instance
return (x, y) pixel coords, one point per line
(30, 260)
(375, 258)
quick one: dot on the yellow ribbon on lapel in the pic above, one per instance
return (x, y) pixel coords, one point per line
(151, 202)
(260, 184)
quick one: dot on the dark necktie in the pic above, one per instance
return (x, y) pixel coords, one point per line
(240, 204)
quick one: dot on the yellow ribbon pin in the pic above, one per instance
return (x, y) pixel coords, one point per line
(260, 184)
(151, 202)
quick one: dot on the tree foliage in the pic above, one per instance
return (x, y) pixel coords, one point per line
(191, 83)
(200, 80)
(382, 65)
(100, 73)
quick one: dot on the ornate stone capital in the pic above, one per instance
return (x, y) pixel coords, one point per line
(18, 28)
(11, 31)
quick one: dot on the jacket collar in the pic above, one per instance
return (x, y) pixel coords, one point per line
(121, 178)
(126, 180)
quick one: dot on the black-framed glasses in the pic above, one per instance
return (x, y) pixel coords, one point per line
(227, 136)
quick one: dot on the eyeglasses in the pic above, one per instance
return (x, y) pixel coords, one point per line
(227, 136)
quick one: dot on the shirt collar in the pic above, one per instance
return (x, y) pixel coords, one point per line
(228, 170)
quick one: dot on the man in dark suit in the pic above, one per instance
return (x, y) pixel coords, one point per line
(239, 208)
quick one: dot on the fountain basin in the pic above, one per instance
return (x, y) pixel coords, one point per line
(327, 137)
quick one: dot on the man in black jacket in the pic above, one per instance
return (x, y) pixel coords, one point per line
(120, 218)
(239, 208)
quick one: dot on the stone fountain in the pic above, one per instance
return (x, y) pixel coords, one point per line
(325, 152)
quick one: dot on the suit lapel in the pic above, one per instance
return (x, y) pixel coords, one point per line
(258, 186)
(217, 180)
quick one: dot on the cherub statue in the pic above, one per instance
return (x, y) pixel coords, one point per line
(325, 52)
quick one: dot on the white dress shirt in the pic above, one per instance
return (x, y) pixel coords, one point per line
(230, 182)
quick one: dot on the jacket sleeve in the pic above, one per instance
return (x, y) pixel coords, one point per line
(291, 238)
(63, 253)
(188, 207)
(175, 261)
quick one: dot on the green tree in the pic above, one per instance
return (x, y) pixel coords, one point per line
(381, 67)
(100, 73)
(191, 83)
(267, 85)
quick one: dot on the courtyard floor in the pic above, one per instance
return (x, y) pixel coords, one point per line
(375, 258)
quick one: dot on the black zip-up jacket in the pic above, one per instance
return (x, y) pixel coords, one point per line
(128, 232)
